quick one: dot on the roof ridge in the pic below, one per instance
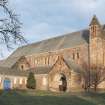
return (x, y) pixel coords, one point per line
(67, 40)
(59, 36)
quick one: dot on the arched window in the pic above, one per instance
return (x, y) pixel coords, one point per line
(77, 55)
(93, 30)
(46, 60)
(73, 55)
(22, 67)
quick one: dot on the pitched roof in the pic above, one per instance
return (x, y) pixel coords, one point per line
(1, 62)
(15, 72)
(39, 70)
(75, 67)
(66, 41)
(9, 62)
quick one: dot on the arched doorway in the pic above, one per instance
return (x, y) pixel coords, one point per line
(7, 84)
(62, 83)
(58, 82)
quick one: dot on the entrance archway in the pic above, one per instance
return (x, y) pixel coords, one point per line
(62, 83)
(58, 82)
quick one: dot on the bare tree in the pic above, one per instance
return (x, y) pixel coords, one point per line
(86, 77)
(97, 76)
(92, 76)
(10, 27)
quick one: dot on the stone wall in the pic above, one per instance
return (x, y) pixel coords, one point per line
(96, 52)
(17, 82)
(41, 82)
(73, 79)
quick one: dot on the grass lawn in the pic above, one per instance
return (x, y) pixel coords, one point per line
(49, 98)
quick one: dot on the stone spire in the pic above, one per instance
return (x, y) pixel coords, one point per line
(94, 21)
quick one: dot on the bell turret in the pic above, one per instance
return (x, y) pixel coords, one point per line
(94, 27)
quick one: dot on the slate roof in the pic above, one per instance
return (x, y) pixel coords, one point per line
(66, 41)
(39, 70)
(15, 72)
(9, 62)
(1, 62)
(75, 67)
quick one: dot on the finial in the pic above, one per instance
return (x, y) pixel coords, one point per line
(94, 21)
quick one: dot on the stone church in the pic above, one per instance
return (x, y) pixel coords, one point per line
(57, 63)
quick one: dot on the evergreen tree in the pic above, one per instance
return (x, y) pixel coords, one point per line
(31, 82)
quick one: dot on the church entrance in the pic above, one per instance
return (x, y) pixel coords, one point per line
(58, 82)
(62, 83)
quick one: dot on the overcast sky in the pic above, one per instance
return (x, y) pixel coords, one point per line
(48, 18)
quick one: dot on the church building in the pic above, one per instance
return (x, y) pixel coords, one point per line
(57, 63)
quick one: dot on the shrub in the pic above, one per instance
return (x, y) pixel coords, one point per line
(31, 82)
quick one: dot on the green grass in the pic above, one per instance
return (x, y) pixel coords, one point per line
(31, 97)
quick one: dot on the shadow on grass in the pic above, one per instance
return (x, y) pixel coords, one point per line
(15, 98)
(97, 96)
